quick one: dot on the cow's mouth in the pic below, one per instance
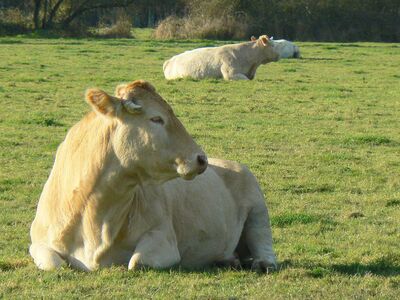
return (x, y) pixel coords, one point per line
(184, 172)
(190, 176)
(189, 170)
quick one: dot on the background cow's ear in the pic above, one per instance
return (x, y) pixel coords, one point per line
(101, 102)
(120, 91)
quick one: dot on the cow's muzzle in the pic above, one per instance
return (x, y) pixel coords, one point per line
(189, 169)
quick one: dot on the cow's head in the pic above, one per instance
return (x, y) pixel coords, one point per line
(148, 139)
(267, 49)
(296, 52)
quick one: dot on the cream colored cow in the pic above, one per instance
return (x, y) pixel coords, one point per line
(88, 203)
(231, 62)
(107, 203)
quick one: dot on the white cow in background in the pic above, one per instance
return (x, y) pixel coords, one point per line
(231, 62)
(286, 49)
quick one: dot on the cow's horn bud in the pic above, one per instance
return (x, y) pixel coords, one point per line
(131, 106)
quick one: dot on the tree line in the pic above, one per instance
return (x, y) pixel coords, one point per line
(320, 20)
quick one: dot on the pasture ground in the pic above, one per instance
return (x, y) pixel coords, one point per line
(321, 134)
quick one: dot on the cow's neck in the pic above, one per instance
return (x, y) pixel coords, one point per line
(107, 210)
(100, 201)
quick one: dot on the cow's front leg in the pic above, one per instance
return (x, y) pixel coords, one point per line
(230, 73)
(258, 238)
(45, 258)
(156, 249)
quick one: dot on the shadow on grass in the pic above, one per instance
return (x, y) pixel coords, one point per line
(370, 140)
(12, 265)
(302, 189)
(385, 266)
(381, 267)
(319, 58)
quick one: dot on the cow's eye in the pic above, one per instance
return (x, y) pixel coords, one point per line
(157, 120)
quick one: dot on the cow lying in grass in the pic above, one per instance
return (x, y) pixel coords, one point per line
(231, 62)
(286, 49)
(110, 199)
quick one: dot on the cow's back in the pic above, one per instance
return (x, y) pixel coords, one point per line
(198, 63)
(286, 49)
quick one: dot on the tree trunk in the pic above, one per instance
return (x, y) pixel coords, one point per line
(44, 19)
(71, 17)
(36, 12)
(53, 13)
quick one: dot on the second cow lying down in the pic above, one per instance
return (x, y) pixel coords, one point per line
(286, 49)
(231, 62)
(108, 200)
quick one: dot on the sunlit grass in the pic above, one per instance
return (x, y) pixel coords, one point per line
(321, 134)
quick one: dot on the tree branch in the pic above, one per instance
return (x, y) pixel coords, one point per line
(53, 13)
(82, 9)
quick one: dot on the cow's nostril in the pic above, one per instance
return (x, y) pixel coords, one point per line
(202, 160)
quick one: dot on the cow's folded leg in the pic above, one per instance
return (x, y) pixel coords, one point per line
(258, 238)
(229, 263)
(231, 73)
(236, 76)
(156, 249)
(263, 266)
(239, 76)
(45, 258)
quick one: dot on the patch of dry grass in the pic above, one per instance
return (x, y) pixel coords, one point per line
(201, 27)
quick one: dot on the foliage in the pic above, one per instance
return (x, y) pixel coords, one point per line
(121, 29)
(201, 27)
(13, 21)
(322, 20)
(320, 134)
(326, 20)
(49, 14)
(205, 20)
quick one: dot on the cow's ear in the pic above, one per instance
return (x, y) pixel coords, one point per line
(264, 40)
(101, 102)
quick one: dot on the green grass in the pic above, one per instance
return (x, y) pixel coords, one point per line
(321, 134)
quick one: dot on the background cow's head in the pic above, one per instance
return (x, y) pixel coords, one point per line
(296, 52)
(148, 139)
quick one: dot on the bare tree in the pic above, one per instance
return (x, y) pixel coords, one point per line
(72, 9)
(36, 13)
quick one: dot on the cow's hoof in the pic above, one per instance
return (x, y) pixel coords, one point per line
(135, 263)
(263, 266)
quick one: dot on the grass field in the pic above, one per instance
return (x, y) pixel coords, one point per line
(321, 134)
